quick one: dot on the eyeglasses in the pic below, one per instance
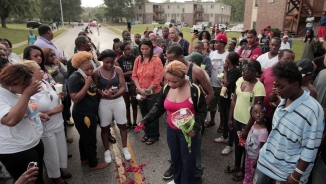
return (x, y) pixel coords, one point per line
(257, 113)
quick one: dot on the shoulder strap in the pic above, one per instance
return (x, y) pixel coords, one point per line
(189, 74)
(195, 94)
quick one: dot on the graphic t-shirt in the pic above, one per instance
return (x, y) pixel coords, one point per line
(218, 61)
(88, 106)
(127, 64)
(255, 137)
(27, 133)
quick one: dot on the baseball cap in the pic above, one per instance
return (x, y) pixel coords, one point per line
(321, 39)
(305, 67)
(195, 57)
(285, 36)
(222, 38)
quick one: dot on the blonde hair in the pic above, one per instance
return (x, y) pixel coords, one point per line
(81, 58)
(176, 68)
(32, 65)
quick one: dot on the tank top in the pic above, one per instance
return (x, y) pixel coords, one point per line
(102, 81)
(31, 38)
(172, 107)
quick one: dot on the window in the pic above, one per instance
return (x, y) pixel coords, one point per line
(168, 15)
(178, 15)
(140, 7)
(168, 6)
(140, 15)
(211, 15)
(254, 25)
(177, 6)
(212, 6)
(256, 3)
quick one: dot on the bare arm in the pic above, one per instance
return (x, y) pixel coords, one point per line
(205, 84)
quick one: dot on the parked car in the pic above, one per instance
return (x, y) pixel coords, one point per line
(168, 23)
(235, 29)
(80, 23)
(93, 24)
(183, 24)
(33, 24)
(196, 27)
(153, 22)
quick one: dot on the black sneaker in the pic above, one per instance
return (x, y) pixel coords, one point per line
(169, 173)
(198, 180)
(129, 126)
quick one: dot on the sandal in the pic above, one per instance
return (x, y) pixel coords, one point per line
(151, 141)
(144, 138)
(208, 124)
(220, 129)
(230, 170)
(67, 176)
(238, 177)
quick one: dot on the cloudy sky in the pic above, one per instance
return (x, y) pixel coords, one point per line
(93, 3)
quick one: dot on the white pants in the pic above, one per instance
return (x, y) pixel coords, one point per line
(112, 108)
(55, 153)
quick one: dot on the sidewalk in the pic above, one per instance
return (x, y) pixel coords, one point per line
(26, 41)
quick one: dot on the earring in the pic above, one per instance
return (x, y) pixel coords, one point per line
(9, 88)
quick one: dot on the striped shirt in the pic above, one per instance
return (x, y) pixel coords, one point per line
(296, 134)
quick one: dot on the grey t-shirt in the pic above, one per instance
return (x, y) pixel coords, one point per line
(320, 84)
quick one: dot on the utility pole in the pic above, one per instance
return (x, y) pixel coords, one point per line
(61, 14)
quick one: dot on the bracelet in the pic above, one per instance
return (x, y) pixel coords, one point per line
(294, 179)
(298, 171)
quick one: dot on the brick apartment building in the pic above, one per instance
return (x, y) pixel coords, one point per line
(189, 12)
(282, 14)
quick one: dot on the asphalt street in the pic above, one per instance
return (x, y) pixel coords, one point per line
(153, 159)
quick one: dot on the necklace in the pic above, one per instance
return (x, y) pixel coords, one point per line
(47, 91)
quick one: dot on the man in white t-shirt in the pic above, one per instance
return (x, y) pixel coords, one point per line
(309, 21)
(218, 59)
(285, 44)
(270, 58)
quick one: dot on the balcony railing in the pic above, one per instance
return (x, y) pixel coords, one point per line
(159, 10)
(200, 10)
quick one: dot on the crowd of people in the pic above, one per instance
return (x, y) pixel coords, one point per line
(270, 107)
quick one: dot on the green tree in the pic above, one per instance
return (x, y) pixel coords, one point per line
(51, 9)
(21, 8)
(237, 8)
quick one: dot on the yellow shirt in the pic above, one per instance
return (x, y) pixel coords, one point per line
(241, 109)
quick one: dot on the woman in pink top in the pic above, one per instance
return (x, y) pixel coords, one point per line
(179, 93)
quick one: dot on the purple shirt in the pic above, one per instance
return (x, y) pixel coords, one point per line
(158, 49)
(44, 43)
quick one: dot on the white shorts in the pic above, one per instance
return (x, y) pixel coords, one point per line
(112, 108)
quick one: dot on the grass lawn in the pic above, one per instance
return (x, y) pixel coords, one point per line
(297, 44)
(20, 49)
(116, 31)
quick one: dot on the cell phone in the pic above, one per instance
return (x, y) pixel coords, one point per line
(196, 31)
(31, 165)
(114, 87)
(81, 72)
(274, 85)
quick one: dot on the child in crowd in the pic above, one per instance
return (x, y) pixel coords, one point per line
(257, 137)
(116, 47)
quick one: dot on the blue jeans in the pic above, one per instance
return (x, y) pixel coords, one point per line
(261, 178)
(319, 172)
(184, 163)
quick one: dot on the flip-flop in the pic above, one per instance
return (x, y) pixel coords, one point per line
(229, 170)
(206, 125)
(151, 141)
(237, 177)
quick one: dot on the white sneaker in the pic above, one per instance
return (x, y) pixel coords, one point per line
(171, 182)
(227, 150)
(126, 153)
(107, 156)
(221, 140)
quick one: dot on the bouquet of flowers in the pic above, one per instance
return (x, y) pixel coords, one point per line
(184, 120)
